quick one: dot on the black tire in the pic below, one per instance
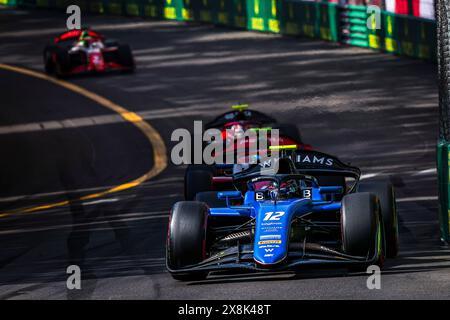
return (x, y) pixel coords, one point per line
(198, 178)
(386, 197)
(62, 63)
(186, 238)
(291, 131)
(49, 65)
(210, 198)
(126, 57)
(360, 221)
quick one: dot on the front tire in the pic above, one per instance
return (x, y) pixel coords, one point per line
(187, 238)
(49, 65)
(362, 232)
(385, 194)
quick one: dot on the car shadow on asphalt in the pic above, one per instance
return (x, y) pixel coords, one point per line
(429, 260)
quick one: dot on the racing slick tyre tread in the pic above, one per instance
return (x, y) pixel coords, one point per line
(360, 218)
(291, 131)
(126, 57)
(385, 194)
(198, 178)
(210, 198)
(186, 238)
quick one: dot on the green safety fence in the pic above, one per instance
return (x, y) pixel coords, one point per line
(223, 12)
(133, 8)
(351, 25)
(8, 2)
(201, 10)
(239, 14)
(443, 165)
(403, 35)
(256, 15)
(310, 19)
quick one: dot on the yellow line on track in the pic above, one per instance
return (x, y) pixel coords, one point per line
(159, 148)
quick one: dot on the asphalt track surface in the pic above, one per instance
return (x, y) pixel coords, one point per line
(377, 111)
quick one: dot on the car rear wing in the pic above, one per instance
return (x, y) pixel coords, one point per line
(308, 161)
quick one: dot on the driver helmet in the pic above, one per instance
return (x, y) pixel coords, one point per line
(84, 38)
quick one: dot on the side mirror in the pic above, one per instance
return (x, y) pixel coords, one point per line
(224, 195)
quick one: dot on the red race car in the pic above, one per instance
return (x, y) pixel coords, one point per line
(233, 124)
(84, 51)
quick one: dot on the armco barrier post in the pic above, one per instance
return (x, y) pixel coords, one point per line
(443, 164)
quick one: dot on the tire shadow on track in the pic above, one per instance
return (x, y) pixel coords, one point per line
(432, 261)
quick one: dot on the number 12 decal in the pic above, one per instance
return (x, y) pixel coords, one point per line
(273, 215)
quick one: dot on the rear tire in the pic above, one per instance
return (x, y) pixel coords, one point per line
(126, 57)
(360, 221)
(385, 194)
(291, 131)
(198, 178)
(49, 65)
(187, 238)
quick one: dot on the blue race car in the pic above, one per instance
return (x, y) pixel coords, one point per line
(313, 212)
